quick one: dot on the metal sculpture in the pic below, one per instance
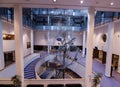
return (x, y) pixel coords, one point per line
(64, 50)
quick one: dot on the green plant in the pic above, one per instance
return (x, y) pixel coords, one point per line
(97, 79)
(16, 81)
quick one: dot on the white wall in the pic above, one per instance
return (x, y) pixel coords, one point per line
(26, 38)
(7, 28)
(98, 37)
(116, 46)
(9, 45)
(116, 39)
(41, 37)
(102, 45)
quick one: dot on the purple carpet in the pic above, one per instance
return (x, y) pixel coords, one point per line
(99, 67)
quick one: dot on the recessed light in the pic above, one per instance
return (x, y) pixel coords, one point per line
(81, 1)
(54, 0)
(112, 3)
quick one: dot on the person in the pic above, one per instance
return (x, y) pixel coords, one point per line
(116, 65)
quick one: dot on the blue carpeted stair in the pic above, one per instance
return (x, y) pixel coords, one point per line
(29, 70)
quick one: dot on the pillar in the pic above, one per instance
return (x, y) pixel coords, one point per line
(32, 48)
(119, 64)
(89, 46)
(83, 48)
(48, 35)
(109, 49)
(18, 29)
(49, 47)
(2, 62)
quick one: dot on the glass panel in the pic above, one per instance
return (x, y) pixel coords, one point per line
(58, 20)
(43, 11)
(41, 20)
(56, 11)
(76, 21)
(69, 12)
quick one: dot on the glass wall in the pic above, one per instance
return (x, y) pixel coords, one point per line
(58, 19)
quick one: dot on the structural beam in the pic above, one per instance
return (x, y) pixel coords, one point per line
(32, 48)
(49, 46)
(84, 43)
(109, 49)
(2, 62)
(89, 46)
(18, 28)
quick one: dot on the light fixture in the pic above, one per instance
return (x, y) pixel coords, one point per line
(81, 1)
(54, 0)
(112, 3)
(4, 35)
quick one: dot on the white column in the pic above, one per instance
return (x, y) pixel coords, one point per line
(109, 49)
(32, 48)
(18, 28)
(83, 49)
(49, 47)
(69, 36)
(89, 46)
(2, 62)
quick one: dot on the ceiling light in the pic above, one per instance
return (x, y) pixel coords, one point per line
(81, 1)
(54, 0)
(112, 3)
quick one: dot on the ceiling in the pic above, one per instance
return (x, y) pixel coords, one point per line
(103, 5)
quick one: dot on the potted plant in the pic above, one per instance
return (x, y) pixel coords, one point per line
(16, 81)
(96, 80)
